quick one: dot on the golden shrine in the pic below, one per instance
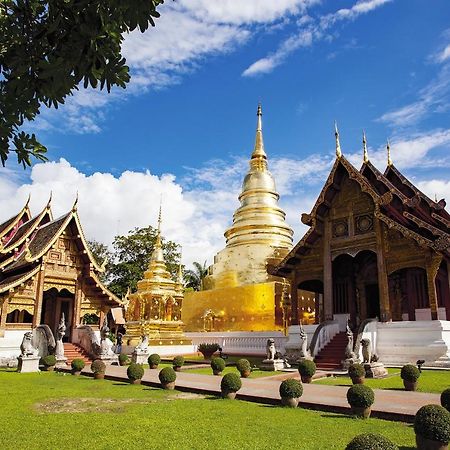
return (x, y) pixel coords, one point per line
(239, 294)
(155, 308)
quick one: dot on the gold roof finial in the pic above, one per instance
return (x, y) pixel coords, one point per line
(388, 148)
(258, 151)
(338, 144)
(75, 203)
(366, 154)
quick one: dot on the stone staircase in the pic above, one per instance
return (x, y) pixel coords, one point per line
(330, 357)
(74, 351)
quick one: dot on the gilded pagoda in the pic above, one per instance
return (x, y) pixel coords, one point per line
(239, 294)
(154, 309)
(376, 247)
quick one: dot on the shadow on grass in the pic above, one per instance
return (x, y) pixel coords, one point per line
(340, 416)
(407, 448)
(121, 384)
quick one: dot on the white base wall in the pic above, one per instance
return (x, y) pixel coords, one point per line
(163, 350)
(10, 343)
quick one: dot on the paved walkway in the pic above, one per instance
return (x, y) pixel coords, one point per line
(389, 404)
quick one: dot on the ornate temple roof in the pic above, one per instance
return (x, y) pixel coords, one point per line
(398, 203)
(14, 222)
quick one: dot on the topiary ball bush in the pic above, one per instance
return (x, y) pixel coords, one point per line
(291, 389)
(217, 364)
(307, 368)
(207, 349)
(243, 365)
(98, 366)
(154, 359)
(370, 441)
(77, 365)
(360, 396)
(49, 360)
(410, 373)
(135, 371)
(123, 359)
(445, 399)
(178, 361)
(433, 422)
(356, 371)
(167, 375)
(230, 382)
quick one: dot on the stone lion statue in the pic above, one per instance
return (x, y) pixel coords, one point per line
(270, 349)
(26, 347)
(366, 350)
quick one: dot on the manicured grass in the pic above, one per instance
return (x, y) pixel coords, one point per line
(54, 411)
(430, 381)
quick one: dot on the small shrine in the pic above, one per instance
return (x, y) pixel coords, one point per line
(153, 312)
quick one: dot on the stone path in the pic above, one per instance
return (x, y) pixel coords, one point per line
(389, 404)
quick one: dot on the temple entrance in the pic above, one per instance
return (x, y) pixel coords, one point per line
(355, 287)
(54, 303)
(310, 302)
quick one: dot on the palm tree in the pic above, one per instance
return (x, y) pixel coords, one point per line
(194, 278)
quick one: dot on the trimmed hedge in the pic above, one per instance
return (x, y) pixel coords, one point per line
(49, 360)
(154, 359)
(356, 371)
(77, 365)
(445, 399)
(243, 365)
(361, 396)
(291, 388)
(218, 364)
(123, 358)
(178, 361)
(208, 348)
(433, 422)
(135, 371)
(98, 366)
(370, 441)
(230, 382)
(307, 368)
(410, 373)
(167, 375)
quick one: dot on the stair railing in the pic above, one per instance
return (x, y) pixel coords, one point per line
(367, 326)
(323, 335)
(87, 339)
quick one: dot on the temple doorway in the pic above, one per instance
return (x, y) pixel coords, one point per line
(310, 302)
(54, 303)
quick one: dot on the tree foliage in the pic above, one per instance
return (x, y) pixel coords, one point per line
(48, 48)
(194, 277)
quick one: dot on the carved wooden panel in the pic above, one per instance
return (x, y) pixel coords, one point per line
(363, 224)
(340, 227)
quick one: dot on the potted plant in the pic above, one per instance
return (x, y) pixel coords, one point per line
(432, 427)
(135, 372)
(360, 397)
(167, 377)
(370, 440)
(207, 350)
(217, 365)
(244, 367)
(177, 363)
(48, 362)
(445, 399)
(357, 373)
(124, 360)
(290, 392)
(307, 369)
(153, 361)
(98, 367)
(77, 366)
(410, 374)
(230, 384)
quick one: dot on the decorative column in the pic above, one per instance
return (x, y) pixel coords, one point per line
(39, 297)
(294, 297)
(432, 262)
(3, 313)
(383, 284)
(327, 273)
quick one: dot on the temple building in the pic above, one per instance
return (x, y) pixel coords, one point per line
(239, 294)
(46, 269)
(376, 247)
(154, 309)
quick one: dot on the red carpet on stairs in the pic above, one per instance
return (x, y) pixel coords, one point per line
(74, 351)
(330, 357)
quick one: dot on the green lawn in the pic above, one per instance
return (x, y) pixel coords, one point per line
(55, 411)
(429, 381)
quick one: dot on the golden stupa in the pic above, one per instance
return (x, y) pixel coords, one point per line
(239, 294)
(155, 308)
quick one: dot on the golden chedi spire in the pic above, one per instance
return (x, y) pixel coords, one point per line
(259, 219)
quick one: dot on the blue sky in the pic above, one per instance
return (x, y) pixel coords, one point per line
(184, 128)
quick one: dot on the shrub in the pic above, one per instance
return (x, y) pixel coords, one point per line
(123, 358)
(291, 388)
(370, 441)
(356, 371)
(307, 368)
(217, 364)
(208, 348)
(410, 373)
(98, 366)
(445, 399)
(167, 375)
(154, 359)
(178, 361)
(49, 360)
(361, 396)
(433, 422)
(135, 371)
(243, 365)
(230, 382)
(77, 365)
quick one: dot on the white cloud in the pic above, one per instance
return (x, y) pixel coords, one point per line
(435, 188)
(445, 54)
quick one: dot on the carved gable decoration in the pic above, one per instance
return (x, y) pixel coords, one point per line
(363, 224)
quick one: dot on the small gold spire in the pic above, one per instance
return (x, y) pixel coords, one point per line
(258, 151)
(50, 200)
(366, 154)
(338, 144)
(388, 148)
(75, 203)
(435, 198)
